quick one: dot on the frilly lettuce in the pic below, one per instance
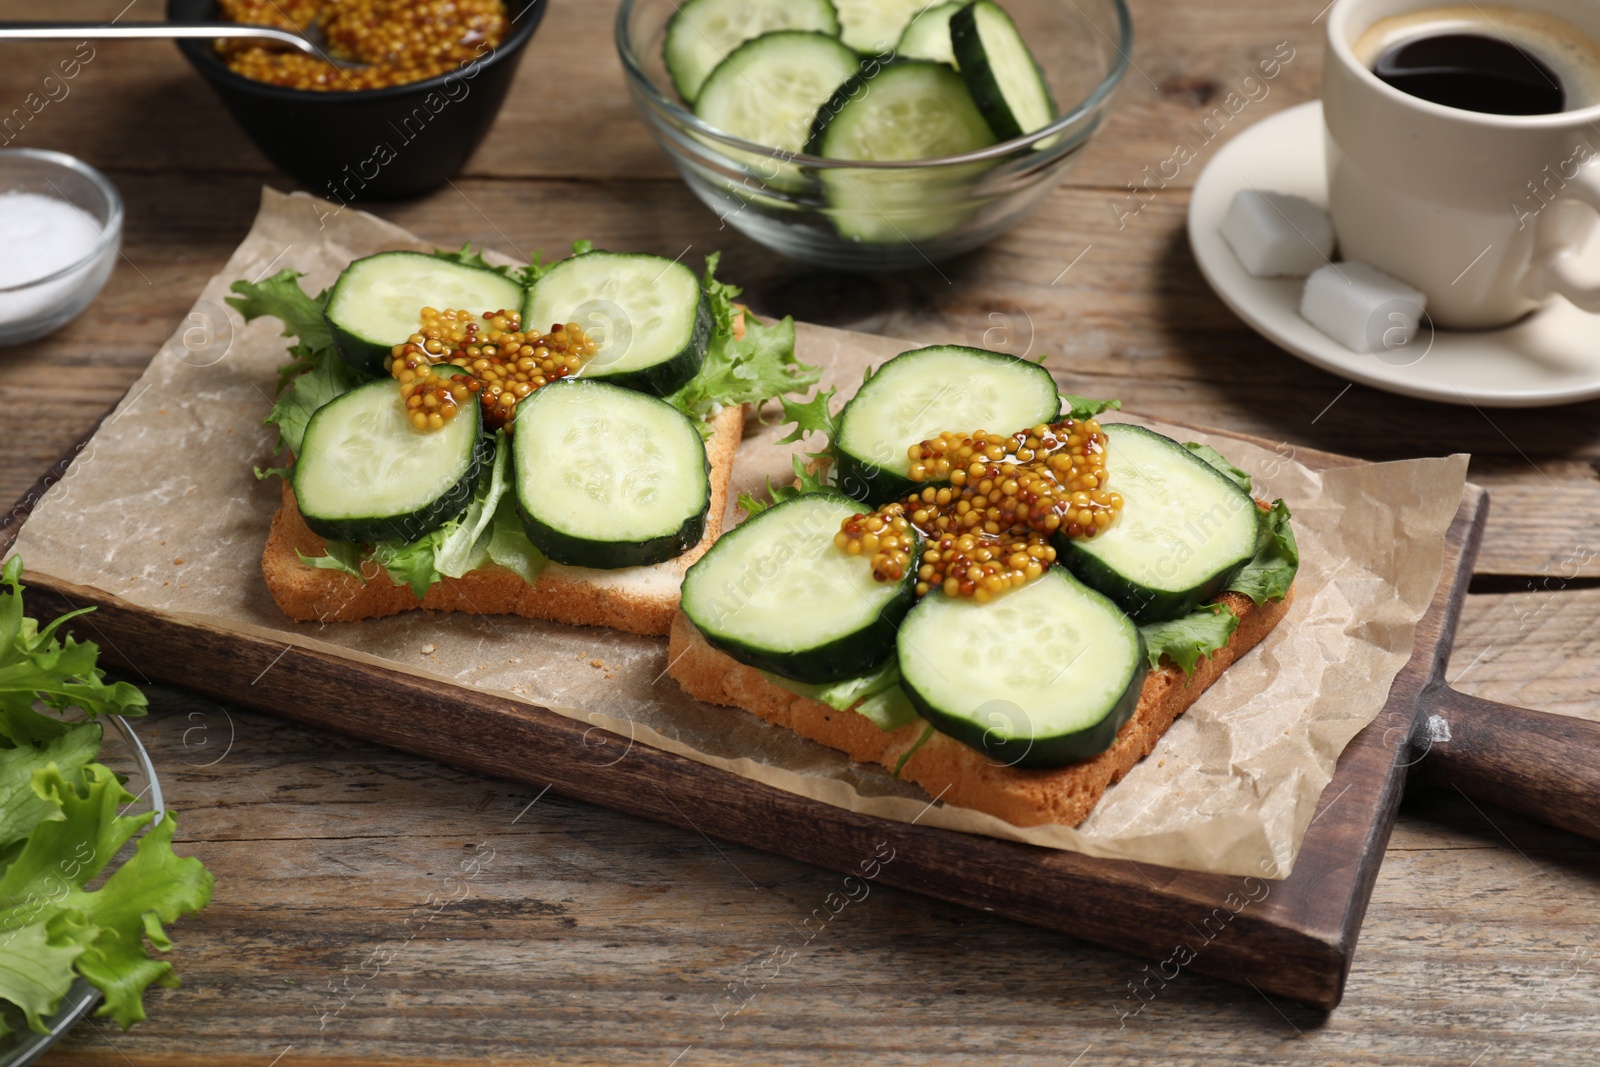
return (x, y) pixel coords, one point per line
(60, 830)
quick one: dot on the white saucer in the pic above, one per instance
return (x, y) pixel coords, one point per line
(1552, 357)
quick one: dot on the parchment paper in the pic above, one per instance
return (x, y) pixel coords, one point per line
(162, 511)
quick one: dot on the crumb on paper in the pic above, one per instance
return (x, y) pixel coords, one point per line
(427, 650)
(177, 563)
(597, 664)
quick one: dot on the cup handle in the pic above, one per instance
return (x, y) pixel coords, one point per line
(1563, 269)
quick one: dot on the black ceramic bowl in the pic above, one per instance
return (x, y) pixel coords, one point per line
(370, 144)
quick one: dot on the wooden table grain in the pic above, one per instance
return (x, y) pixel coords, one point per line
(376, 907)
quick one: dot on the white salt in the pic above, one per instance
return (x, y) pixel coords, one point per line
(1361, 307)
(1276, 235)
(40, 235)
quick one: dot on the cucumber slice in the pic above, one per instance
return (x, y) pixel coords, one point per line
(1184, 531)
(872, 27)
(650, 322)
(776, 594)
(704, 32)
(768, 90)
(928, 36)
(903, 110)
(608, 477)
(920, 394)
(376, 302)
(1005, 80)
(1054, 696)
(364, 473)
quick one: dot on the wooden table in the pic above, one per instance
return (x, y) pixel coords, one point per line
(588, 936)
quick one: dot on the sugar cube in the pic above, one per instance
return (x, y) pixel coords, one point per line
(1361, 307)
(1276, 235)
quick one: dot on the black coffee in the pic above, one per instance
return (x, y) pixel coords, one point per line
(1474, 73)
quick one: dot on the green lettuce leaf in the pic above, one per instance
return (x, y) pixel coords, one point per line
(1267, 576)
(523, 276)
(60, 830)
(344, 556)
(60, 672)
(282, 297)
(460, 545)
(488, 530)
(154, 888)
(22, 809)
(36, 973)
(1081, 407)
(811, 416)
(46, 886)
(900, 764)
(1219, 461)
(877, 696)
(327, 378)
(1270, 573)
(804, 482)
(1184, 640)
(314, 374)
(509, 545)
(749, 370)
(463, 544)
(413, 563)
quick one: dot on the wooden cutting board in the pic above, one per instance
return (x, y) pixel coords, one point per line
(1295, 937)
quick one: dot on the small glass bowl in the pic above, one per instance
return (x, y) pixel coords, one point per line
(40, 306)
(122, 751)
(913, 213)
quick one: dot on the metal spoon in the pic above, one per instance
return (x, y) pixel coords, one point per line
(77, 31)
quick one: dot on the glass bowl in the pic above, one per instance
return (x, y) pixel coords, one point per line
(122, 751)
(33, 308)
(912, 213)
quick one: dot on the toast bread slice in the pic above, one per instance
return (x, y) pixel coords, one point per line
(945, 767)
(640, 600)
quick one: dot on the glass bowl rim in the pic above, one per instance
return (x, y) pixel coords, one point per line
(113, 223)
(1096, 100)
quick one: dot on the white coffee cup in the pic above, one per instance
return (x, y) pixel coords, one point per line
(1487, 214)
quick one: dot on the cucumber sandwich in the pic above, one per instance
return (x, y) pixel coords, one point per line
(552, 441)
(989, 588)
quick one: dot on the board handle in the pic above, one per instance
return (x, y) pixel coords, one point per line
(1531, 762)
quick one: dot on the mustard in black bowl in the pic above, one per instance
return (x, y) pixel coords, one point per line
(384, 143)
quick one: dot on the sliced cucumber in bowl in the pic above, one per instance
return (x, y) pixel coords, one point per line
(1185, 528)
(901, 111)
(607, 477)
(768, 90)
(776, 594)
(920, 394)
(1055, 696)
(928, 35)
(872, 27)
(376, 302)
(703, 32)
(1006, 82)
(648, 317)
(364, 473)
